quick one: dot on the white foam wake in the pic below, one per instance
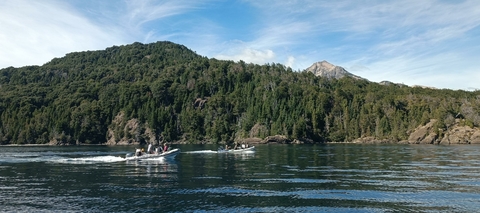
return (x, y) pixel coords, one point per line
(95, 159)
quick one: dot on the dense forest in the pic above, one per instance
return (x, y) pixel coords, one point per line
(178, 95)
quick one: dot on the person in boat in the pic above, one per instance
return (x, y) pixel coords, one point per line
(226, 147)
(138, 152)
(149, 149)
(165, 147)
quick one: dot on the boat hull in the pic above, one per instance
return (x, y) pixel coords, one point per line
(167, 155)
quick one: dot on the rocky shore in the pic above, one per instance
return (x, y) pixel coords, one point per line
(457, 133)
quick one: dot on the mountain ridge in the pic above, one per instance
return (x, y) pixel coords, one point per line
(165, 92)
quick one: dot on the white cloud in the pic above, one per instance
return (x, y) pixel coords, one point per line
(34, 32)
(290, 61)
(250, 55)
(140, 12)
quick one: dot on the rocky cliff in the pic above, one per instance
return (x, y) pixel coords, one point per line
(461, 135)
(129, 132)
(458, 133)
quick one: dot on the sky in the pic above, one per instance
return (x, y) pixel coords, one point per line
(433, 43)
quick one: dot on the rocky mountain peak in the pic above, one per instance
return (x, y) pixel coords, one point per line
(325, 64)
(328, 70)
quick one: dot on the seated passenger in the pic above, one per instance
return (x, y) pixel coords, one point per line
(149, 150)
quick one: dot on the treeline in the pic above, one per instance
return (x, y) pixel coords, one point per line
(180, 95)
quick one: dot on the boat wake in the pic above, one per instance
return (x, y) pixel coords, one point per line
(94, 159)
(65, 157)
(200, 152)
(249, 150)
(103, 159)
(62, 159)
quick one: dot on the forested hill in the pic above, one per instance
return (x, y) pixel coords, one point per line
(165, 92)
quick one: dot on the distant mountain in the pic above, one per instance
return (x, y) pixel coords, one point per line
(388, 83)
(327, 70)
(330, 71)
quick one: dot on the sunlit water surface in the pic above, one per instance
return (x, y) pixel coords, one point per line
(274, 178)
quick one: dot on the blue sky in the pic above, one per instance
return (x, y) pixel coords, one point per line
(433, 43)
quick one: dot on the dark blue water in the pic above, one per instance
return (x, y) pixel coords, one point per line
(275, 178)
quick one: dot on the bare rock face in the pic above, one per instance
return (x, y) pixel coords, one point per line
(475, 138)
(133, 131)
(282, 139)
(424, 134)
(430, 138)
(462, 135)
(327, 70)
(456, 134)
(257, 130)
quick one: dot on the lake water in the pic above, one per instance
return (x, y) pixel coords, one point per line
(274, 178)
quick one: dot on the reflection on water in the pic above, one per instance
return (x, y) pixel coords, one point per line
(160, 168)
(274, 178)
